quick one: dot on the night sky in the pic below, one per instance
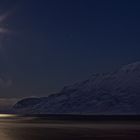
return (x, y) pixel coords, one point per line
(48, 44)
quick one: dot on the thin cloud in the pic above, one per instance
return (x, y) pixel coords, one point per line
(5, 81)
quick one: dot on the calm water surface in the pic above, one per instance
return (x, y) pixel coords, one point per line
(26, 129)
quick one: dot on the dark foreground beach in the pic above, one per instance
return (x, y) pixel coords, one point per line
(34, 128)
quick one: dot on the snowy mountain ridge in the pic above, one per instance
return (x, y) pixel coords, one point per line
(110, 93)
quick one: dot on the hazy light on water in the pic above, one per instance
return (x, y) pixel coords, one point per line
(7, 115)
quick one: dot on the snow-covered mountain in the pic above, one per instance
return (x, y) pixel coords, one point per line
(110, 93)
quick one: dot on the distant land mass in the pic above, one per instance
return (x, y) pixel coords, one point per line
(103, 94)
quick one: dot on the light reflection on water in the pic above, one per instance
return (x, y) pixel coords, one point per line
(7, 115)
(14, 129)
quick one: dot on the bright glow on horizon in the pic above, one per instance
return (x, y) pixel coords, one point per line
(7, 115)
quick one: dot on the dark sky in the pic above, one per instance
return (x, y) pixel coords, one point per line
(53, 43)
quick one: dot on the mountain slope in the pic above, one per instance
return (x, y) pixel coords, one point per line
(110, 93)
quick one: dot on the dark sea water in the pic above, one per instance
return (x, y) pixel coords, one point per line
(28, 128)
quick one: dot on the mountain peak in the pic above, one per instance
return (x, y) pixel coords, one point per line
(131, 67)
